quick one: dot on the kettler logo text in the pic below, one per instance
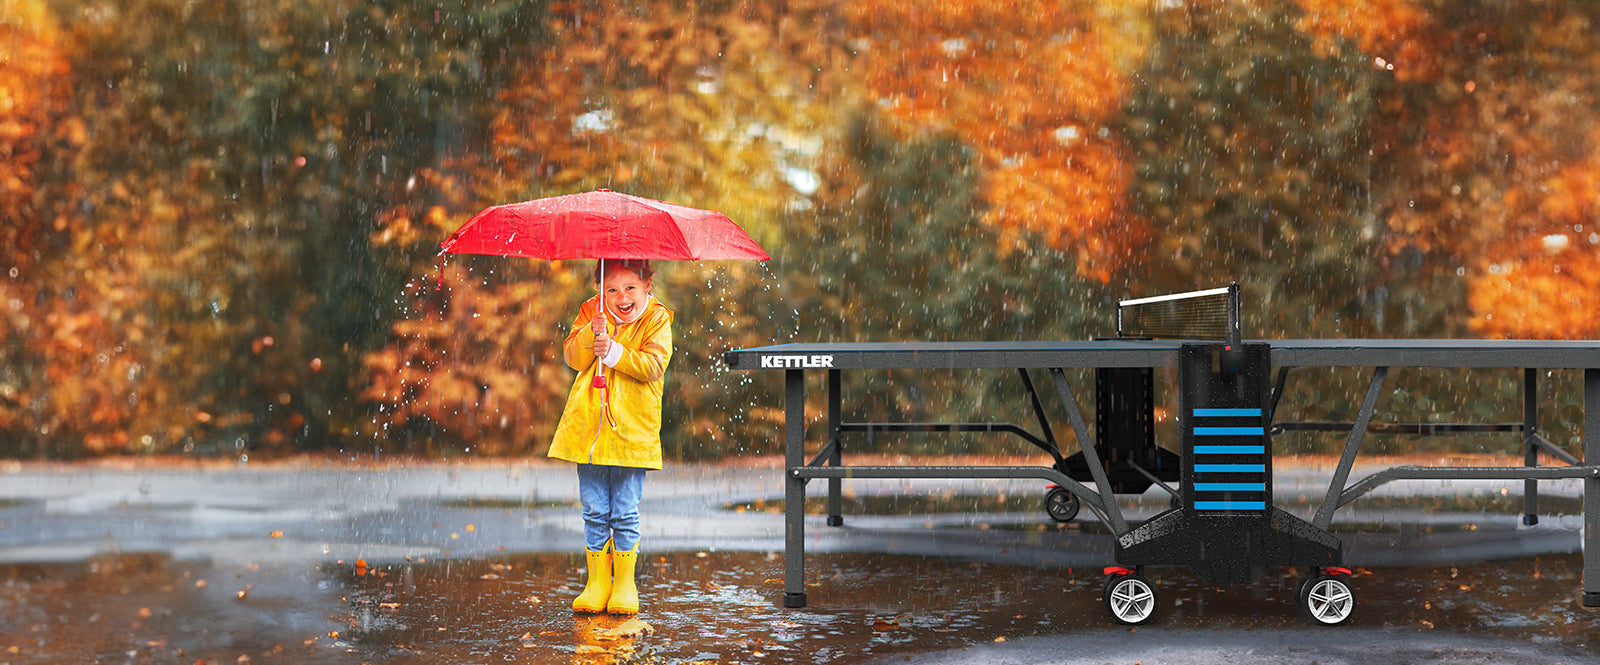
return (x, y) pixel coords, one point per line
(794, 362)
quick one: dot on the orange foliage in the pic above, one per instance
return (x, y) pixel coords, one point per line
(1501, 172)
(33, 97)
(1032, 86)
(483, 362)
(1398, 34)
(1547, 285)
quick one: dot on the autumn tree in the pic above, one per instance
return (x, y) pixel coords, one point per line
(714, 105)
(1493, 150)
(1035, 88)
(1256, 166)
(68, 370)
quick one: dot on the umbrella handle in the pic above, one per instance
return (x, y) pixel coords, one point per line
(600, 374)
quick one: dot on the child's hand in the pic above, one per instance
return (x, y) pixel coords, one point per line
(598, 325)
(602, 344)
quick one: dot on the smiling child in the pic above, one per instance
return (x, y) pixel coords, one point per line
(611, 428)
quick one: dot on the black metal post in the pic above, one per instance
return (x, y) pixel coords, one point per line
(794, 493)
(836, 444)
(1591, 488)
(1530, 449)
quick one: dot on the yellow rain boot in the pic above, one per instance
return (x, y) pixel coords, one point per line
(624, 593)
(598, 589)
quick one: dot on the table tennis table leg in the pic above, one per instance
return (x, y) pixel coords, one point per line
(1530, 450)
(794, 488)
(1347, 459)
(836, 444)
(1591, 488)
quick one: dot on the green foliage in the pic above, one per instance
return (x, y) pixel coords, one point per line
(1255, 163)
(896, 251)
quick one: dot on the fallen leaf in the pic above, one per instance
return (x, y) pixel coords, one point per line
(199, 584)
(388, 606)
(628, 629)
(277, 534)
(245, 591)
(532, 600)
(144, 613)
(590, 649)
(885, 624)
(999, 639)
(489, 576)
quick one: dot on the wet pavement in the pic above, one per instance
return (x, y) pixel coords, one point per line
(312, 562)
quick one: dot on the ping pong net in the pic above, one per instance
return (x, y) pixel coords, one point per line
(1211, 314)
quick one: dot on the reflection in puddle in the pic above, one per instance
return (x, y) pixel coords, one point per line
(716, 607)
(723, 607)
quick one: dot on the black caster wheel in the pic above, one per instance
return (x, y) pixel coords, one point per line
(1326, 600)
(1061, 505)
(1130, 598)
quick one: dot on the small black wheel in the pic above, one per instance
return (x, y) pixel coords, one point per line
(1061, 505)
(1300, 584)
(1326, 600)
(1131, 599)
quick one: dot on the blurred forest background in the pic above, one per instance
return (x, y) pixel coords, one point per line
(221, 219)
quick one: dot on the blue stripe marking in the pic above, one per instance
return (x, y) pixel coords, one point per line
(1230, 487)
(1229, 431)
(1227, 413)
(1230, 468)
(1229, 450)
(1230, 505)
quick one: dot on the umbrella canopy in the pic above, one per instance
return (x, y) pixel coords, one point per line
(602, 225)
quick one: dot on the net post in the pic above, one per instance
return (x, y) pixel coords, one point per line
(1235, 336)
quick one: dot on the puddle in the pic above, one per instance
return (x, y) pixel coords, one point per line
(704, 607)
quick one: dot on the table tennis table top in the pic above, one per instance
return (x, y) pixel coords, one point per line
(1453, 353)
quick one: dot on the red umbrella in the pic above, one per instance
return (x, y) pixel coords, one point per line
(602, 224)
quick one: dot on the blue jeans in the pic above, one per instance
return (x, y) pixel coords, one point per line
(610, 496)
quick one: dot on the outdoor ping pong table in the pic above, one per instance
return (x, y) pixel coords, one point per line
(1226, 490)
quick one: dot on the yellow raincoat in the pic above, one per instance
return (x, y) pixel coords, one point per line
(634, 386)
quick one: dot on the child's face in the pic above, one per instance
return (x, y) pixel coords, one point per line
(625, 293)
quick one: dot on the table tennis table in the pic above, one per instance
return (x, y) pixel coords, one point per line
(1223, 526)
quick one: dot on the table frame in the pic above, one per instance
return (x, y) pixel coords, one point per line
(1379, 354)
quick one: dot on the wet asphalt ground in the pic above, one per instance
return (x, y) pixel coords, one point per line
(321, 562)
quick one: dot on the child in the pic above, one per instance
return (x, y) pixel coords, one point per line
(612, 428)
